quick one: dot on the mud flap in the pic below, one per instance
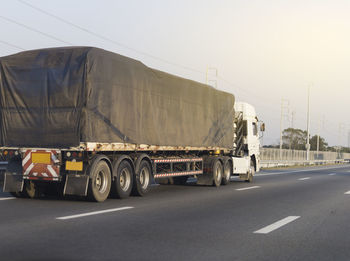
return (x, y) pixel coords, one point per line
(76, 185)
(13, 177)
(243, 176)
(205, 179)
(13, 182)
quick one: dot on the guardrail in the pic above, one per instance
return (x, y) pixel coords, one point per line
(275, 158)
(274, 164)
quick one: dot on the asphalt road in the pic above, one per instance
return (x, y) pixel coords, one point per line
(294, 214)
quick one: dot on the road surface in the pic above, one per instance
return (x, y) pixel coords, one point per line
(293, 214)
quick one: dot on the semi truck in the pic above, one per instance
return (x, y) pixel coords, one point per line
(96, 124)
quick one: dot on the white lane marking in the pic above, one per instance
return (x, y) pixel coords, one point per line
(94, 213)
(7, 198)
(347, 193)
(296, 171)
(254, 187)
(304, 178)
(276, 225)
(332, 174)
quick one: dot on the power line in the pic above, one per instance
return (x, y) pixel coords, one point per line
(125, 46)
(12, 45)
(250, 94)
(34, 30)
(108, 39)
(235, 86)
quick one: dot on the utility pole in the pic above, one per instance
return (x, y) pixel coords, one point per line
(284, 106)
(308, 126)
(340, 131)
(293, 119)
(292, 125)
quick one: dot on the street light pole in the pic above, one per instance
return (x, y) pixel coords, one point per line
(281, 129)
(318, 137)
(308, 126)
(284, 110)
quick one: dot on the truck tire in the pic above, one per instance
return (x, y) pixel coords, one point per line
(227, 172)
(142, 179)
(30, 190)
(251, 172)
(217, 172)
(180, 180)
(122, 184)
(99, 182)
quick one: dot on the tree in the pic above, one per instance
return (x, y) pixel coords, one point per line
(294, 139)
(323, 145)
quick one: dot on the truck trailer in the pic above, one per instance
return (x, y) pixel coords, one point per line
(94, 123)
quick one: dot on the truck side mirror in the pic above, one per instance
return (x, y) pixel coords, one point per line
(262, 127)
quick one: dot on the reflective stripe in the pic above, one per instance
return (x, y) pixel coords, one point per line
(29, 169)
(25, 160)
(52, 171)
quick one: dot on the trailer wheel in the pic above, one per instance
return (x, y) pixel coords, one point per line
(99, 182)
(123, 180)
(227, 172)
(217, 172)
(142, 179)
(251, 172)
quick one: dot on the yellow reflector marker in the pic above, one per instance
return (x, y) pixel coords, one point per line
(41, 157)
(74, 165)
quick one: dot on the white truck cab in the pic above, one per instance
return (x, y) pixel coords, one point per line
(247, 142)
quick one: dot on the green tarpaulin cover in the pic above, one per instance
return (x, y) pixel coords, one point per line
(59, 97)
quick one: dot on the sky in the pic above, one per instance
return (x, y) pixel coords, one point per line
(264, 51)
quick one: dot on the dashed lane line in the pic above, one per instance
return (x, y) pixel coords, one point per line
(254, 187)
(7, 198)
(276, 225)
(332, 174)
(304, 178)
(94, 213)
(297, 171)
(347, 193)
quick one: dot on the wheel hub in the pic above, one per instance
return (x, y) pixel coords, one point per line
(100, 182)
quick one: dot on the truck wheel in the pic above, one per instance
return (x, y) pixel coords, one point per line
(142, 179)
(123, 180)
(99, 182)
(227, 172)
(251, 172)
(217, 173)
(180, 180)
